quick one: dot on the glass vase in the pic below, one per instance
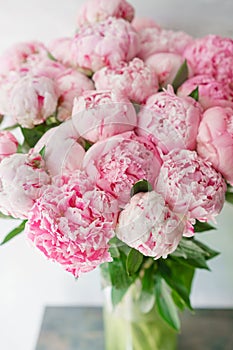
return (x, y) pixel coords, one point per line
(135, 325)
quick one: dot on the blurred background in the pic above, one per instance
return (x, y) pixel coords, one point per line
(28, 281)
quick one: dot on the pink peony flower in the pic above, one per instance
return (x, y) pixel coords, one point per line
(154, 40)
(22, 181)
(63, 154)
(98, 115)
(60, 49)
(72, 223)
(18, 54)
(104, 43)
(166, 65)
(117, 163)
(32, 100)
(170, 121)
(212, 55)
(134, 80)
(99, 10)
(191, 186)
(8, 144)
(69, 85)
(149, 226)
(215, 140)
(211, 92)
(140, 23)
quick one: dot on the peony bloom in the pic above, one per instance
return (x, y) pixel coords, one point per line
(154, 40)
(60, 49)
(104, 43)
(32, 100)
(166, 65)
(191, 186)
(170, 121)
(22, 180)
(140, 23)
(98, 115)
(63, 154)
(18, 54)
(98, 10)
(148, 225)
(215, 140)
(69, 85)
(212, 55)
(8, 144)
(117, 163)
(211, 92)
(134, 80)
(72, 223)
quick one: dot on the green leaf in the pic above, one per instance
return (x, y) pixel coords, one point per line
(141, 186)
(14, 232)
(229, 197)
(181, 76)
(119, 277)
(133, 262)
(208, 252)
(51, 57)
(42, 152)
(195, 94)
(178, 277)
(165, 305)
(87, 145)
(117, 295)
(202, 227)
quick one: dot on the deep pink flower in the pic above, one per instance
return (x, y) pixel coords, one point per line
(98, 115)
(215, 140)
(212, 55)
(72, 223)
(191, 186)
(134, 80)
(104, 43)
(170, 121)
(22, 180)
(211, 92)
(149, 226)
(118, 162)
(99, 10)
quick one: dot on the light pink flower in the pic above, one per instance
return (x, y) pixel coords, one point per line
(99, 10)
(32, 100)
(170, 121)
(63, 154)
(134, 80)
(155, 40)
(60, 49)
(117, 163)
(104, 43)
(98, 115)
(8, 144)
(215, 140)
(211, 92)
(140, 23)
(149, 226)
(18, 54)
(191, 186)
(72, 223)
(166, 66)
(22, 180)
(212, 55)
(69, 85)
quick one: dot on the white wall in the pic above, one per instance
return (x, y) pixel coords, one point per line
(28, 280)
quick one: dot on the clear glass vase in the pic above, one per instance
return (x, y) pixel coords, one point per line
(128, 327)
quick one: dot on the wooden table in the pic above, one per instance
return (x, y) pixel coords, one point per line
(81, 328)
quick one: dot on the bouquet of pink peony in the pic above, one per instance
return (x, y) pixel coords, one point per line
(116, 150)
